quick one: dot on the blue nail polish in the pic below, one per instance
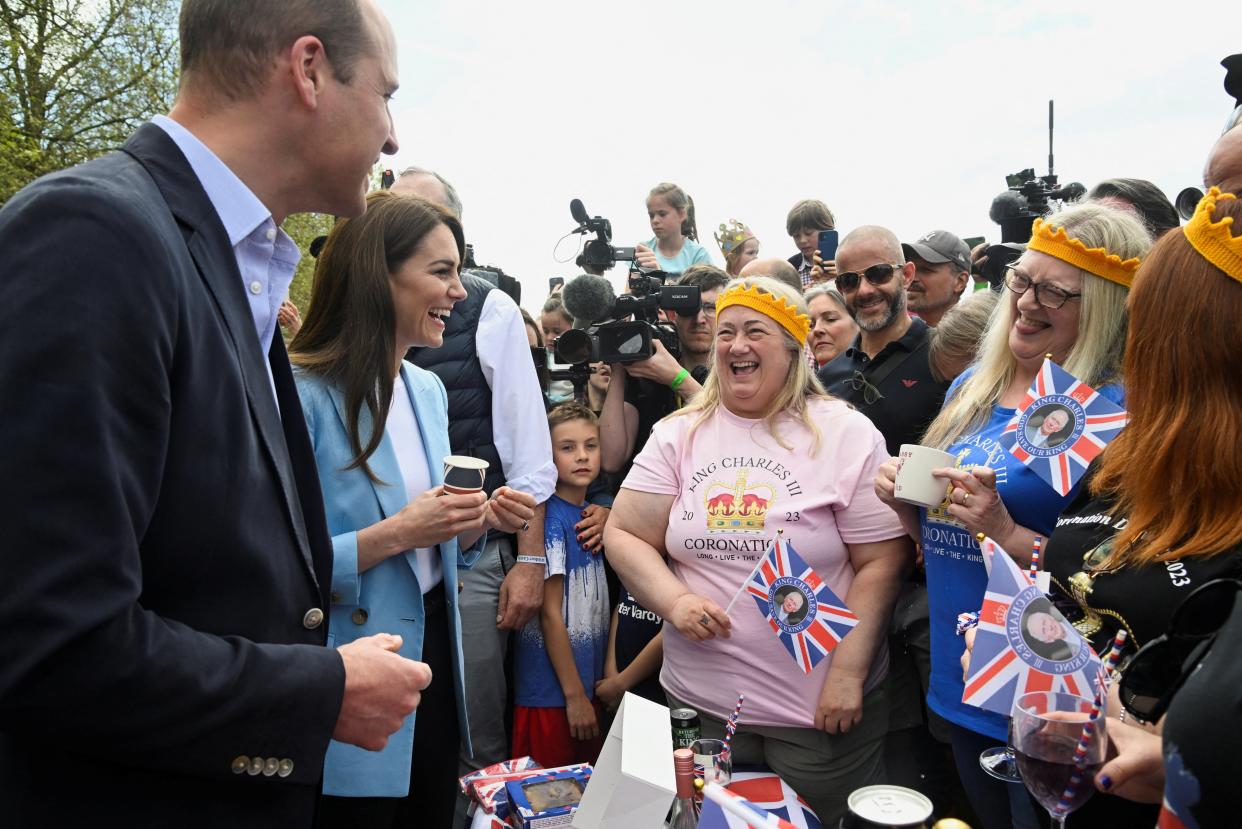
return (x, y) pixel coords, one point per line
(1106, 782)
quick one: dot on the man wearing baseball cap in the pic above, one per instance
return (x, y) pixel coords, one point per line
(941, 274)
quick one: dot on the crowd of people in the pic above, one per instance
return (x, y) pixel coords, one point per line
(245, 591)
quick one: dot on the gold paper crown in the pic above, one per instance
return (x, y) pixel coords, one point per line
(785, 314)
(1213, 240)
(1055, 242)
(732, 236)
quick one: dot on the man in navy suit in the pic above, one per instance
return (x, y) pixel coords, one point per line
(166, 558)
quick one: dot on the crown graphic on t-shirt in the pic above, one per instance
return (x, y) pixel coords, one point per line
(736, 507)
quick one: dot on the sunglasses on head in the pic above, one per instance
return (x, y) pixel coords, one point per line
(1159, 669)
(876, 275)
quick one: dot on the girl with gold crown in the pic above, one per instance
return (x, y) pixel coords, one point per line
(1067, 296)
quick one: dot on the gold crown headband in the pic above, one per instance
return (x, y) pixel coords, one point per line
(1213, 240)
(1055, 242)
(785, 314)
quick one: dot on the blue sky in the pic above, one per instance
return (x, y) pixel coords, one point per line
(900, 114)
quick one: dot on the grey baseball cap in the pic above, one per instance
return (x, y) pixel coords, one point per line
(939, 246)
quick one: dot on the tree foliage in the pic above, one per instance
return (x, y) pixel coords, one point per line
(77, 77)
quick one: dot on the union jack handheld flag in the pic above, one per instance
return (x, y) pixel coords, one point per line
(1024, 644)
(755, 801)
(808, 618)
(1060, 427)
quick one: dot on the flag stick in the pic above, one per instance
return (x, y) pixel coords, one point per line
(750, 575)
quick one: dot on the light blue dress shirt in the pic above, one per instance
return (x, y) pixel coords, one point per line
(266, 256)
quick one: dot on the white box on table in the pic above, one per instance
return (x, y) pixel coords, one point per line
(633, 782)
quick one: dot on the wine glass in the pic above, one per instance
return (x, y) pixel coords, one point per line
(1001, 763)
(1047, 728)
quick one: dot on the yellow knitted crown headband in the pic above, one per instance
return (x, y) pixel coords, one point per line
(1055, 242)
(1213, 240)
(785, 314)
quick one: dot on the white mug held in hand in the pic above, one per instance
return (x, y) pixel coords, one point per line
(915, 484)
(463, 474)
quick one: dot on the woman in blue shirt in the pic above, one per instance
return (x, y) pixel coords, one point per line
(675, 246)
(1067, 296)
(386, 281)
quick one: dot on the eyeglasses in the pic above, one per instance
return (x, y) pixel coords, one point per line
(707, 308)
(1156, 673)
(1049, 296)
(859, 382)
(849, 281)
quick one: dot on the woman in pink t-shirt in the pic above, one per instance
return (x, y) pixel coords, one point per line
(763, 448)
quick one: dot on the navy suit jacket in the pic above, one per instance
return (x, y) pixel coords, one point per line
(165, 552)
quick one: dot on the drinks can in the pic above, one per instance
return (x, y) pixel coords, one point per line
(883, 807)
(685, 726)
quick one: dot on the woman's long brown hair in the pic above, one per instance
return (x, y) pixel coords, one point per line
(349, 335)
(1176, 469)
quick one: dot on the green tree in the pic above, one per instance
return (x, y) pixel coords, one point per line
(77, 77)
(303, 228)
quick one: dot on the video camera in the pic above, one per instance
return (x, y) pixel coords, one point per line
(597, 253)
(610, 336)
(1029, 197)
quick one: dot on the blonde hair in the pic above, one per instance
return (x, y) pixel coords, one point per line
(1096, 355)
(955, 340)
(800, 386)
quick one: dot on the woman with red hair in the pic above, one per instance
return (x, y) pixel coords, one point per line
(1159, 516)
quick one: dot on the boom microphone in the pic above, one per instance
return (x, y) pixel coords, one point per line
(588, 298)
(578, 211)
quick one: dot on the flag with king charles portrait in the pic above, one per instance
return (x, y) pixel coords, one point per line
(1061, 426)
(806, 616)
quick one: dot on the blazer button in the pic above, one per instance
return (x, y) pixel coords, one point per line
(240, 764)
(256, 766)
(359, 616)
(312, 619)
(270, 766)
(286, 768)
(461, 585)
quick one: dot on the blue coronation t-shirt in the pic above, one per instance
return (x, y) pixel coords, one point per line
(956, 577)
(584, 607)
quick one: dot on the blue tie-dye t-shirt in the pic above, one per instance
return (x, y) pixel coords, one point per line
(584, 607)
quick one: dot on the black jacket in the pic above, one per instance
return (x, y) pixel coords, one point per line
(164, 536)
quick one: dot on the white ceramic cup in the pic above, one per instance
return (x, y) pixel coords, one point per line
(463, 474)
(915, 484)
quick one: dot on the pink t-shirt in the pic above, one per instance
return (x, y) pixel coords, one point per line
(822, 503)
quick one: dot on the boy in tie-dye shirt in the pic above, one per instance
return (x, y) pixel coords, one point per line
(560, 653)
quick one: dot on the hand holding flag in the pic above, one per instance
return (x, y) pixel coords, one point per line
(1024, 644)
(806, 616)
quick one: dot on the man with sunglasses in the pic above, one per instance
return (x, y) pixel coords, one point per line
(885, 373)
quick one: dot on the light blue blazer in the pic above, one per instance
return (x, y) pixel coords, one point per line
(386, 598)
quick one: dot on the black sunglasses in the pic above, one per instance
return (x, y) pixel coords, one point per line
(1157, 671)
(876, 275)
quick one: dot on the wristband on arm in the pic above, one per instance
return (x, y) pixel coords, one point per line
(679, 379)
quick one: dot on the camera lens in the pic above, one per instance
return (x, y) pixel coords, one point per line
(574, 346)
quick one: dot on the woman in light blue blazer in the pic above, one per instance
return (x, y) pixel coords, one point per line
(384, 282)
